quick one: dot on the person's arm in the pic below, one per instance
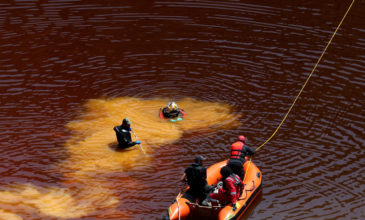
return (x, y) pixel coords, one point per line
(183, 178)
(242, 187)
(182, 112)
(127, 139)
(204, 173)
(129, 142)
(249, 151)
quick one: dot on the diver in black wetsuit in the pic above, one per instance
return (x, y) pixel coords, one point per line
(123, 134)
(172, 111)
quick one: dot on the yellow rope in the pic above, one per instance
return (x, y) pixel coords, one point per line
(310, 75)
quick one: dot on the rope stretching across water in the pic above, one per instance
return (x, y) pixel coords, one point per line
(310, 75)
(305, 83)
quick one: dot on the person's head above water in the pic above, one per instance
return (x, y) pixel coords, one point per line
(126, 123)
(172, 106)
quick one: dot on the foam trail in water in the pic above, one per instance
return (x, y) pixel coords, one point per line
(92, 153)
(55, 202)
(92, 146)
(9, 216)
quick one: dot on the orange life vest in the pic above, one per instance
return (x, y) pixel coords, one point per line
(237, 150)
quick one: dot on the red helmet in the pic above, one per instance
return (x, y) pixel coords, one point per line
(242, 138)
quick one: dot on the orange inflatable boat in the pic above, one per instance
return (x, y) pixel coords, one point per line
(183, 209)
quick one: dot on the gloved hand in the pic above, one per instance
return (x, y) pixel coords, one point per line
(138, 142)
(234, 207)
(220, 184)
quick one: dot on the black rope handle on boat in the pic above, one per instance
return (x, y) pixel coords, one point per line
(248, 190)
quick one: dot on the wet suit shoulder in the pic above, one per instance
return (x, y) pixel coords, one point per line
(196, 174)
(123, 137)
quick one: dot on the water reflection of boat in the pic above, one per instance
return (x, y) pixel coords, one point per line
(183, 209)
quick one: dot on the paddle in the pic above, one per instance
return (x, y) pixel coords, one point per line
(140, 145)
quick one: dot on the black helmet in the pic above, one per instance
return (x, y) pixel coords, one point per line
(126, 121)
(199, 158)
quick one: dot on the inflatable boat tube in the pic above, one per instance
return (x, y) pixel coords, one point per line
(182, 208)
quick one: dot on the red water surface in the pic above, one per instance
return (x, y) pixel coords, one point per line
(252, 55)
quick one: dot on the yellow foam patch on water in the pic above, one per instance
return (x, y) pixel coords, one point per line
(91, 148)
(92, 153)
(55, 202)
(4, 215)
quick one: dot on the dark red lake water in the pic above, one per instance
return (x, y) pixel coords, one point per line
(68, 66)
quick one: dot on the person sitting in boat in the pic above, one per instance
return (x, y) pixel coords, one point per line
(173, 111)
(123, 134)
(230, 191)
(196, 177)
(238, 153)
